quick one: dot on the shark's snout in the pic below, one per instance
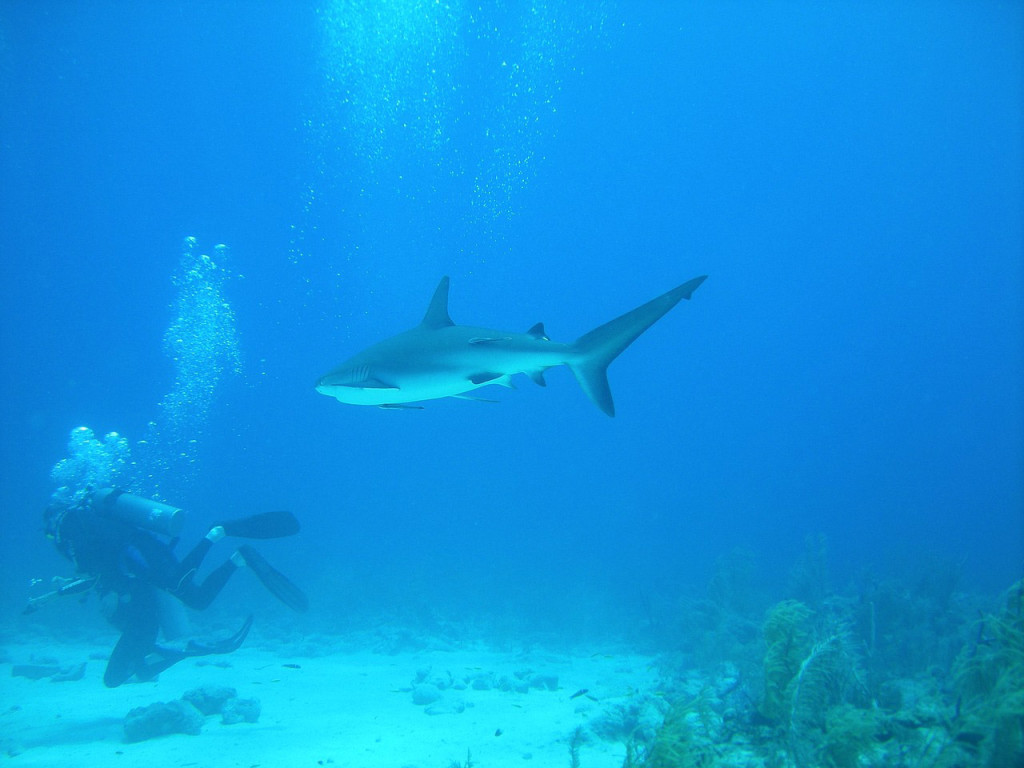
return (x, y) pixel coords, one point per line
(324, 383)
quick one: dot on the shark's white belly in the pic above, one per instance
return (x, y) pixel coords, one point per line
(409, 390)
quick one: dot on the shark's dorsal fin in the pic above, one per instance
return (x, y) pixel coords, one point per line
(437, 312)
(538, 333)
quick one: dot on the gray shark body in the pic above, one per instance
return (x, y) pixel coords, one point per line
(440, 359)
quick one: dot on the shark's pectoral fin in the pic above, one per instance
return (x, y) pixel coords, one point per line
(486, 378)
(489, 377)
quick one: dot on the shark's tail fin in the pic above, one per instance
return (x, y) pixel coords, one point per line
(594, 351)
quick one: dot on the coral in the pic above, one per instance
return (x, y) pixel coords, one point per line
(577, 740)
(849, 735)
(634, 717)
(809, 687)
(161, 719)
(828, 676)
(240, 711)
(906, 631)
(209, 699)
(425, 693)
(824, 727)
(989, 680)
(683, 739)
(788, 637)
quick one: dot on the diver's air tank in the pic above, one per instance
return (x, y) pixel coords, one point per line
(151, 515)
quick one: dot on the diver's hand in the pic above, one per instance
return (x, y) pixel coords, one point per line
(65, 587)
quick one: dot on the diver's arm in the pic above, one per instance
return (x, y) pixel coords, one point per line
(72, 587)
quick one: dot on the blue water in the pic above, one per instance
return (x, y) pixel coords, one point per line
(849, 175)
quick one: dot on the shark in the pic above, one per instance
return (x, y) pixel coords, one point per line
(438, 358)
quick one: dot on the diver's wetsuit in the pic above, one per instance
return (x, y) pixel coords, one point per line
(150, 565)
(150, 559)
(137, 566)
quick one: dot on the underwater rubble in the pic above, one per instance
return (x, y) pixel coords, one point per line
(188, 714)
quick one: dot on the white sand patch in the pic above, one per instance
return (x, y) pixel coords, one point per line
(349, 710)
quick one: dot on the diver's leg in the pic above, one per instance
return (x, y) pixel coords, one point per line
(199, 596)
(174, 621)
(191, 562)
(184, 586)
(142, 625)
(160, 657)
(127, 656)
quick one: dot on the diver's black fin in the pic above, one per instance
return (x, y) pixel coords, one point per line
(265, 525)
(227, 645)
(280, 586)
(234, 642)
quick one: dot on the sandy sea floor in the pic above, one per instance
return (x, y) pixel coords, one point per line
(333, 705)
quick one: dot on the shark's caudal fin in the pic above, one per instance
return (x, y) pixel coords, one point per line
(594, 351)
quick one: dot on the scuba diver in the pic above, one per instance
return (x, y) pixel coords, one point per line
(112, 538)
